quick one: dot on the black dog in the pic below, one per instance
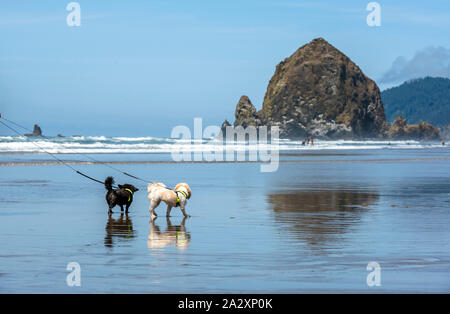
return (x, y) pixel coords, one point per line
(122, 196)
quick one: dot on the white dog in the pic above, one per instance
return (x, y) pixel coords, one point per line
(158, 192)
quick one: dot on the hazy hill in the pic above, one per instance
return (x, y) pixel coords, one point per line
(426, 99)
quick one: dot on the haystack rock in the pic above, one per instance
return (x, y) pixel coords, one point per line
(318, 91)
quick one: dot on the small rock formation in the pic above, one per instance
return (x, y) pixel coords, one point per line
(224, 126)
(401, 130)
(245, 114)
(223, 130)
(318, 91)
(36, 131)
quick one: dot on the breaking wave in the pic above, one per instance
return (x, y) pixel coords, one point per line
(103, 144)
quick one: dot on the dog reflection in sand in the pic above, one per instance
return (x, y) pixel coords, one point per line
(158, 192)
(174, 235)
(118, 229)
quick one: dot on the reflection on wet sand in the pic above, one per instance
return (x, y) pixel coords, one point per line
(175, 235)
(120, 228)
(318, 217)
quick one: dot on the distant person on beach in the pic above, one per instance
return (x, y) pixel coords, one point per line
(304, 142)
(307, 141)
(443, 142)
(312, 141)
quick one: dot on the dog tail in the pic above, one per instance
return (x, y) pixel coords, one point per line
(108, 183)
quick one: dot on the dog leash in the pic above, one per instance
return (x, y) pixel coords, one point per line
(62, 162)
(53, 155)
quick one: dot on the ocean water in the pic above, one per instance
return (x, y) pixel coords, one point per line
(313, 225)
(102, 144)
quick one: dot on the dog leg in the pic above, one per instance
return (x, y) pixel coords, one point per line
(169, 208)
(183, 228)
(153, 205)
(126, 208)
(121, 208)
(182, 210)
(153, 215)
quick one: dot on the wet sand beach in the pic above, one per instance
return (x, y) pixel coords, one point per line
(311, 226)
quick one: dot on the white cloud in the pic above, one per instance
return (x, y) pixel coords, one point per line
(431, 61)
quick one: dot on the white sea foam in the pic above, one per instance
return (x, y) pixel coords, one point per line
(103, 144)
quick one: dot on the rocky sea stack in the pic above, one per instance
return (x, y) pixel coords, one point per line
(422, 130)
(318, 91)
(36, 131)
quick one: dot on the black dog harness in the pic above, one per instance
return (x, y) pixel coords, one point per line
(131, 192)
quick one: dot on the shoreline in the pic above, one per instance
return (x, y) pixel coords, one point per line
(152, 162)
(314, 224)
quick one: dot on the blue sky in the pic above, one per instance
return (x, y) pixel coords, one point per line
(139, 68)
